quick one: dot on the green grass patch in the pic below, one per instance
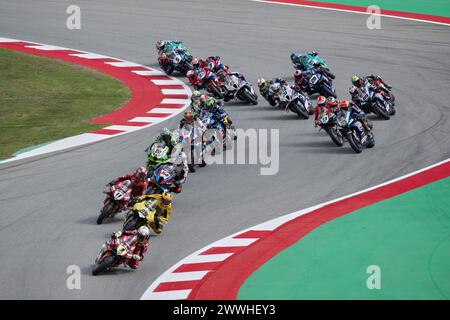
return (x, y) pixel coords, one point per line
(43, 99)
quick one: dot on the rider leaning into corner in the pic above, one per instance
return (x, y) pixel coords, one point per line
(162, 205)
(141, 237)
(138, 181)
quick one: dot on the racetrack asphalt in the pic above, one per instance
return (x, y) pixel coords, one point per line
(48, 205)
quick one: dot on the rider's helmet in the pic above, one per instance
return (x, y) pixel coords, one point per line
(321, 100)
(261, 82)
(188, 116)
(195, 63)
(344, 104)
(353, 91)
(355, 80)
(160, 44)
(313, 53)
(203, 98)
(141, 173)
(165, 132)
(190, 75)
(210, 103)
(166, 199)
(196, 95)
(180, 158)
(143, 233)
(331, 102)
(294, 57)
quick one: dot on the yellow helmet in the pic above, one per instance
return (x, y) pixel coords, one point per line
(166, 199)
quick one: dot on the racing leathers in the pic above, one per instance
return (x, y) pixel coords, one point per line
(140, 247)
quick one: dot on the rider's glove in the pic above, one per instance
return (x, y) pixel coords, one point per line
(136, 257)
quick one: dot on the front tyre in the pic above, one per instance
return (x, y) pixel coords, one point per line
(298, 108)
(354, 143)
(106, 212)
(335, 136)
(103, 266)
(326, 92)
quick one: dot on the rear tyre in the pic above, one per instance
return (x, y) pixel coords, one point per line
(106, 212)
(103, 266)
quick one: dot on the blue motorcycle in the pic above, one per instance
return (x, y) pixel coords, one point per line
(161, 179)
(354, 132)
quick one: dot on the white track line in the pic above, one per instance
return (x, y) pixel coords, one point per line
(168, 295)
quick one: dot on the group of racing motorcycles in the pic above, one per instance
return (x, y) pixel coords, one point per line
(145, 195)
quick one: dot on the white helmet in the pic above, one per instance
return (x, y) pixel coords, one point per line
(143, 233)
(180, 158)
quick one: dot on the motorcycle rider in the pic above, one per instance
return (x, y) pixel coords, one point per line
(357, 113)
(141, 236)
(181, 170)
(321, 105)
(166, 137)
(215, 107)
(195, 102)
(165, 46)
(138, 181)
(162, 205)
(303, 61)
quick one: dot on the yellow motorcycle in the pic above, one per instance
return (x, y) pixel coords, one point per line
(142, 213)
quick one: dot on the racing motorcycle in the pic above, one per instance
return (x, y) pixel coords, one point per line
(208, 80)
(177, 60)
(295, 101)
(190, 138)
(141, 214)
(239, 89)
(352, 130)
(308, 62)
(319, 83)
(373, 102)
(222, 131)
(114, 252)
(161, 179)
(117, 198)
(328, 122)
(157, 153)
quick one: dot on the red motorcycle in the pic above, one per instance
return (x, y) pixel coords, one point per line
(115, 252)
(117, 199)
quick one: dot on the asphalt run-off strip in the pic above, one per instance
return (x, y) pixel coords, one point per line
(218, 270)
(155, 96)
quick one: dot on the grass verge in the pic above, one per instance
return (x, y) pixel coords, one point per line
(43, 99)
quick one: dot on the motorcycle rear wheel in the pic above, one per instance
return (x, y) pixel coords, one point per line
(103, 266)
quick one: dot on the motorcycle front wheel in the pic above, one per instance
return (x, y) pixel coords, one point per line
(335, 136)
(248, 97)
(354, 143)
(103, 266)
(299, 109)
(106, 212)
